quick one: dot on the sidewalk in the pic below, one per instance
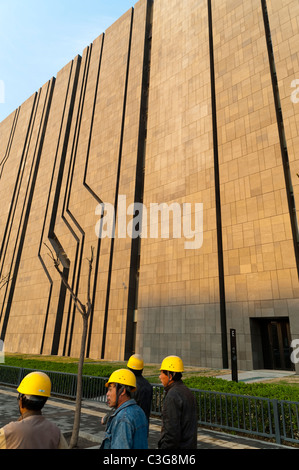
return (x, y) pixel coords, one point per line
(257, 375)
(92, 432)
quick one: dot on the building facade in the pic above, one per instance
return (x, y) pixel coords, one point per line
(171, 148)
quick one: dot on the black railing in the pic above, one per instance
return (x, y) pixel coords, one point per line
(260, 417)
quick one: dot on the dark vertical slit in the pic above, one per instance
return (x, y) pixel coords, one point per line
(282, 138)
(46, 215)
(96, 197)
(65, 209)
(217, 197)
(26, 211)
(10, 140)
(13, 206)
(59, 316)
(17, 188)
(116, 192)
(139, 187)
(85, 184)
(64, 148)
(16, 191)
(52, 237)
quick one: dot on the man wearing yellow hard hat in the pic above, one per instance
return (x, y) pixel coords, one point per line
(144, 392)
(179, 417)
(32, 430)
(127, 426)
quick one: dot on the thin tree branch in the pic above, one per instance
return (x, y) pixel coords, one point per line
(4, 280)
(78, 303)
(85, 312)
(90, 262)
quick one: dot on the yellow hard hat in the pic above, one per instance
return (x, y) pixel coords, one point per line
(35, 383)
(173, 364)
(123, 377)
(135, 362)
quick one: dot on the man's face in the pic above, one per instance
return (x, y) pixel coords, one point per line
(164, 378)
(111, 395)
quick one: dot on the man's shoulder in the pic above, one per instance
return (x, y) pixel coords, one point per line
(130, 405)
(179, 388)
(10, 426)
(131, 410)
(143, 380)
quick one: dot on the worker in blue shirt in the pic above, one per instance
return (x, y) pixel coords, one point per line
(127, 427)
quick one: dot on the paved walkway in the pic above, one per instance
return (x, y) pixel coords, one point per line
(61, 412)
(257, 375)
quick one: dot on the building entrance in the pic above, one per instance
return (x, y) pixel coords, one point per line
(276, 340)
(271, 343)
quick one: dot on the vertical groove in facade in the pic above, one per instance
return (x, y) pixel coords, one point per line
(37, 149)
(117, 189)
(70, 96)
(175, 103)
(47, 235)
(282, 137)
(218, 197)
(66, 212)
(17, 251)
(16, 192)
(132, 306)
(94, 195)
(10, 215)
(11, 136)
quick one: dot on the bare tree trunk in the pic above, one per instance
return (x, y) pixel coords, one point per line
(85, 313)
(76, 426)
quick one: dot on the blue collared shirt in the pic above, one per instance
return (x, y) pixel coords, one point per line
(127, 428)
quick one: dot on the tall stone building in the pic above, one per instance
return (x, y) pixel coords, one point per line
(187, 105)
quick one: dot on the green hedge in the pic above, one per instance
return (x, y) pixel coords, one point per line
(280, 392)
(274, 391)
(97, 370)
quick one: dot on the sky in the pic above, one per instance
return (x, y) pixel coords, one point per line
(38, 38)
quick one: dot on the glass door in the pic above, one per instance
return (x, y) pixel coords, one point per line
(279, 341)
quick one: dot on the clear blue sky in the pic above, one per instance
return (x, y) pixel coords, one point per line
(38, 38)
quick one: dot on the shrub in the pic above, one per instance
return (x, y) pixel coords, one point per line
(97, 370)
(274, 391)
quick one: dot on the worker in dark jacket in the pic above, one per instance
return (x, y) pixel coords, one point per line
(179, 417)
(144, 392)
